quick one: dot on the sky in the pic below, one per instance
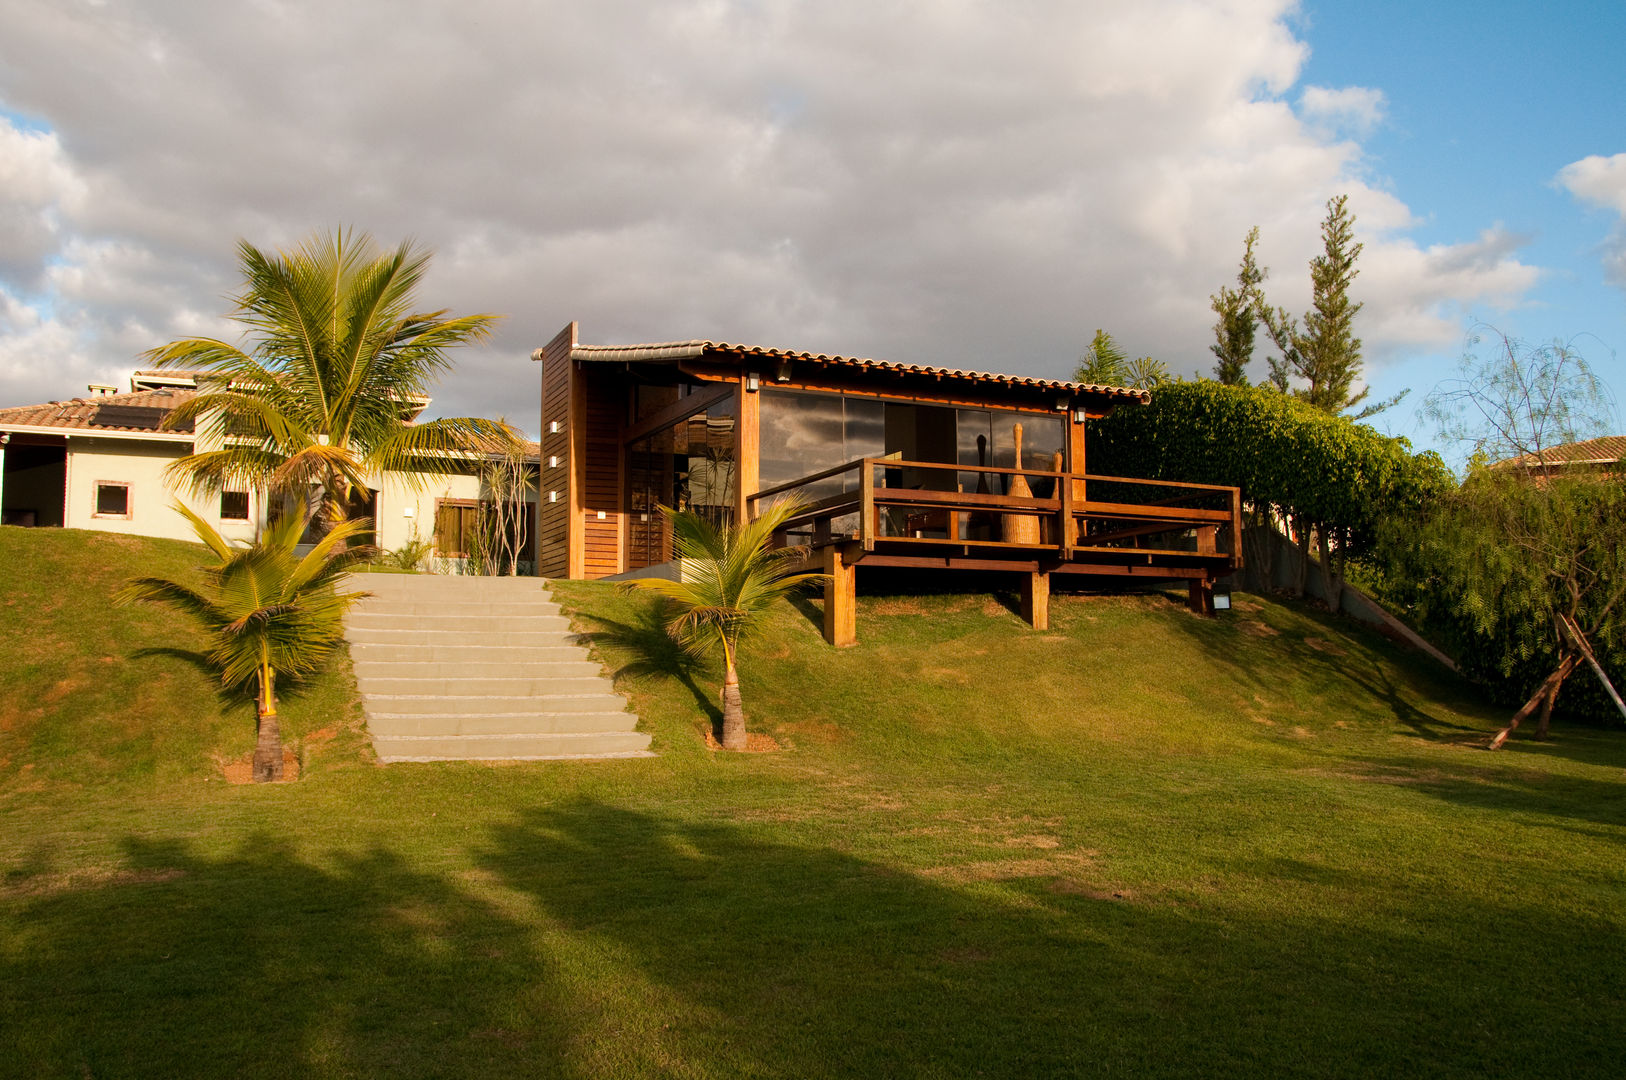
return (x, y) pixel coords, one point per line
(960, 183)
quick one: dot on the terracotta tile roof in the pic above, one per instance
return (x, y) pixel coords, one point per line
(680, 350)
(141, 410)
(1604, 451)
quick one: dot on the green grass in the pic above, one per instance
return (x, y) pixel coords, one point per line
(1140, 844)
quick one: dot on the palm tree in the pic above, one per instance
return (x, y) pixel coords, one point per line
(267, 611)
(730, 576)
(319, 400)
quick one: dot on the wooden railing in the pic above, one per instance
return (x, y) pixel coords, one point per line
(901, 503)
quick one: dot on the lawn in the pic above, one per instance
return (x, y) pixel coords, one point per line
(1140, 844)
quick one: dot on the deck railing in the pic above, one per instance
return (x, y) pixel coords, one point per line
(892, 503)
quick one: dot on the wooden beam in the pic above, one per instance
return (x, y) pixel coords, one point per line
(1036, 600)
(681, 409)
(840, 597)
(1200, 595)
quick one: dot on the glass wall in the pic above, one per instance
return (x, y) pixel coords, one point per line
(687, 466)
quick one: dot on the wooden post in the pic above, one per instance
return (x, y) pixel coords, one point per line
(1200, 597)
(869, 523)
(840, 598)
(747, 429)
(1036, 600)
(1207, 539)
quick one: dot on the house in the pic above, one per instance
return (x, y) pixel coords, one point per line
(1591, 455)
(897, 467)
(99, 461)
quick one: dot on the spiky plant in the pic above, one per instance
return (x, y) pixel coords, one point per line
(267, 611)
(730, 577)
(336, 358)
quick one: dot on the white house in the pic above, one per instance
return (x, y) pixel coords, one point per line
(98, 462)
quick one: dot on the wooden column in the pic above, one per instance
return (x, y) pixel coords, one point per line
(1200, 596)
(747, 442)
(1208, 539)
(1036, 600)
(840, 598)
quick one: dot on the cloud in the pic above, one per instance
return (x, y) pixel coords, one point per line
(1601, 181)
(1355, 109)
(970, 183)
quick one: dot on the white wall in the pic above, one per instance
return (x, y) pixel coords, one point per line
(141, 466)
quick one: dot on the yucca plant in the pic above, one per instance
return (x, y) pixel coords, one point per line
(267, 610)
(318, 396)
(730, 577)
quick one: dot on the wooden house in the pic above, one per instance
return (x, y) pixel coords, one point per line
(894, 465)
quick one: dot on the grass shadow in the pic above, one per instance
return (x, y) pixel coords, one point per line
(642, 649)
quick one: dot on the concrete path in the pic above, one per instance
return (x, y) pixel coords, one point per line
(480, 669)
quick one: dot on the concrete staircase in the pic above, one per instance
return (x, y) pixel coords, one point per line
(480, 669)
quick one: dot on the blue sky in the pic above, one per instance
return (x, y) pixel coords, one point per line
(979, 184)
(1486, 102)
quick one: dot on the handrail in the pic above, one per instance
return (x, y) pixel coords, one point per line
(805, 480)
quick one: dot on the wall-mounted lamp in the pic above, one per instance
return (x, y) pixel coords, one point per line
(1063, 404)
(753, 382)
(781, 371)
(553, 461)
(1079, 416)
(408, 510)
(553, 427)
(553, 496)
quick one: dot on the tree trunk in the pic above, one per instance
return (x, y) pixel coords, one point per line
(1545, 693)
(1301, 533)
(268, 744)
(733, 710)
(1332, 580)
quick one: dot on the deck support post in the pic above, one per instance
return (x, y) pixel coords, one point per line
(1036, 600)
(840, 598)
(1200, 596)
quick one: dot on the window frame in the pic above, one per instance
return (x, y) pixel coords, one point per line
(248, 507)
(96, 500)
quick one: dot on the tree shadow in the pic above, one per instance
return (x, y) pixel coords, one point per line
(772, 959)
(1498, 783)
(644, 650)
(263, 963)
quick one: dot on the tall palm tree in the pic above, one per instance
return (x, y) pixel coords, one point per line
(267, 611)
(731, 576)
(336, 357)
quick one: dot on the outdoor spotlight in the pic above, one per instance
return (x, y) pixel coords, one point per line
(753, 382)
(1222, 597)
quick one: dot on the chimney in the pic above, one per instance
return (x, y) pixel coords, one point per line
(101, 389)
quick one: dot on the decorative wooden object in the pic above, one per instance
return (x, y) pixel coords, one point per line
(979, 525)
(1019, 528)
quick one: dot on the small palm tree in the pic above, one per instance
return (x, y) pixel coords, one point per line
(731, 576)
(338, 361)
(267, 611)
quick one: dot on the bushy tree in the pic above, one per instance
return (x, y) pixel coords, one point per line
(1320, 361)
(1105, 364)
(1238, 323)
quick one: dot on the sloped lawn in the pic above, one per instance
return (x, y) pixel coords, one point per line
(1139, 844)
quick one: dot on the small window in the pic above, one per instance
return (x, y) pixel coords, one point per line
(112, 500)
(234, 506)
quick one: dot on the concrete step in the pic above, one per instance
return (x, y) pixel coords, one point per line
(520, 666)
(411, 684)
(446, 585)
(529, 639)
(511, 747)
(491, 624)
(550, 723)
(388, 652)
(514, 705)
(414, 606)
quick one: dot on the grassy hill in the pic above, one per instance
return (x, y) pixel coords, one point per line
(1142, 843)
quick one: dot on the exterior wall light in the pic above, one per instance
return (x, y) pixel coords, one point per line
(753, 382)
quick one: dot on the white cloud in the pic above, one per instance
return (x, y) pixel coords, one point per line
(1601, 181)
(971, 183)
(1355, 109)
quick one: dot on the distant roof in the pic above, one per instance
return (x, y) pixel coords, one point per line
(1604, 451)
(688, 350)
(139, 411)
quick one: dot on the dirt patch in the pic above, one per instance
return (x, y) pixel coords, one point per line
(896, 605)
(1053, 866)
(1073, 887)
(755, 743)
(241, 771)
(1325, 646)
(90, 878)
(1259, 629)
(1046, 843)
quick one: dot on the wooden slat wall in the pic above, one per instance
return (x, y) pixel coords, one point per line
(553, 518)
(601, 537)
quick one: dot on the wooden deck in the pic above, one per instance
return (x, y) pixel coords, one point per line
(879, 512)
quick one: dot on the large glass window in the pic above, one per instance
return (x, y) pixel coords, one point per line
(688, 466)
(804, 433)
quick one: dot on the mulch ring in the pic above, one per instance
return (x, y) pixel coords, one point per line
(754, 743)
(241, 771)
